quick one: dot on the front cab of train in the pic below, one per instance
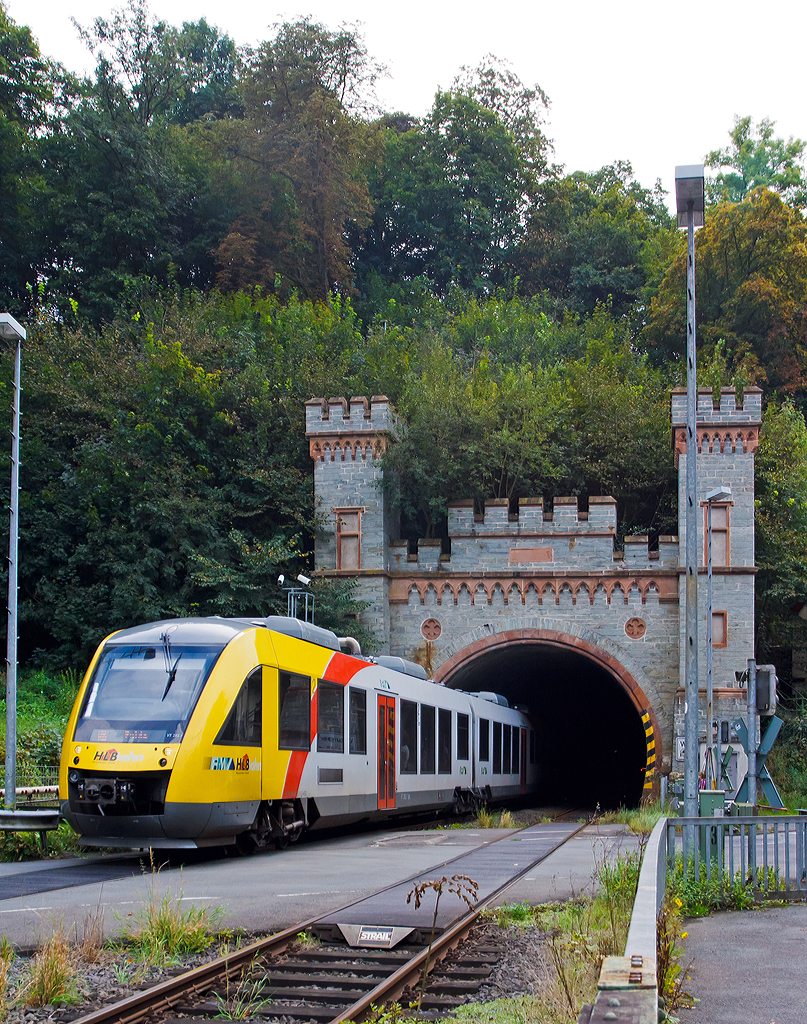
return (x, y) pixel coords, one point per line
(143, 714)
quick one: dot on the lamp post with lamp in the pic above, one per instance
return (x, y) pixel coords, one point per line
(11, 331)
(718, 495)
(690, 206)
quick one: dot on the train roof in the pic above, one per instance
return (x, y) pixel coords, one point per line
(216, 629)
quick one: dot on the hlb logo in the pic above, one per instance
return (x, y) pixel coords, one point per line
(113, 755)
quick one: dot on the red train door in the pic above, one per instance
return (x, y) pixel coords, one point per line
(386, 752)
(523, 758)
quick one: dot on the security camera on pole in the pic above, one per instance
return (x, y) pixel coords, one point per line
(296, 595)
(690, 206)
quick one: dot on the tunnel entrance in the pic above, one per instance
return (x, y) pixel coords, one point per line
(591, 740)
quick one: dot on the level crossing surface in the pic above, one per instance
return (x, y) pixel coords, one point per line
(748, 966)
(487, 868)
(275, 890)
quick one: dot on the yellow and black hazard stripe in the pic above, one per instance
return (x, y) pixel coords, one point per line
(650, 741)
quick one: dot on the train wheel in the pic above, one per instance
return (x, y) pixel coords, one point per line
(245, 844)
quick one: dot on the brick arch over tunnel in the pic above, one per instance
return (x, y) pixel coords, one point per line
(496, 644)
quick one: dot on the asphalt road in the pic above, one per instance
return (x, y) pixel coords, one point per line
(748, 966)
(275, 890)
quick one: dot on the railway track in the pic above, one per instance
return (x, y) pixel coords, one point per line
(282, 978)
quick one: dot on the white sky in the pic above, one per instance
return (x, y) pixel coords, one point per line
(656, 84)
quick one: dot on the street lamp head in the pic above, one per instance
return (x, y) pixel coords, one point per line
(689, 189)
(722, 493)
(10, 330)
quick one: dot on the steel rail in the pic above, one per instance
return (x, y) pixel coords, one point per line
(395, 984)
(165, 994)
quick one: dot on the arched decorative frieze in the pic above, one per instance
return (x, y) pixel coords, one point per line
(723, 442)
(541, 592)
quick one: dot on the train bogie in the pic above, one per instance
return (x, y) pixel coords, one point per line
(212, 731)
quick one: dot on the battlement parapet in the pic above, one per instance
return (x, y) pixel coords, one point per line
(337, 415)
(727, 411)
(531, 518)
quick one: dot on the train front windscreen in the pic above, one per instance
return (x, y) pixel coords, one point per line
(142, 694)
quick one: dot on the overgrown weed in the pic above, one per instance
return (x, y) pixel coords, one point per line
(671, 973)
(696, 895)
(92, 940)
(51, 977)
(640, 820)
(161, 930)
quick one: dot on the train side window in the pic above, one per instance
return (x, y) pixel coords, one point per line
(330, 717)
(294, 711)
(444, 741)
(484, 739)
(506, 736)
(242, 727)
(516, 747)
(357, 725)
(497, 748)
(532, 746)
(409, 737)
(462, 737)
(426, 740)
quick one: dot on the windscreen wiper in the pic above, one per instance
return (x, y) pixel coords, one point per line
(171, 677)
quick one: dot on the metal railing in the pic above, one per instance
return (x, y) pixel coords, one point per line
(36, 784)
(766, 852)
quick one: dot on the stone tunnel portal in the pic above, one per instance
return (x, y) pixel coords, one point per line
(591, 740)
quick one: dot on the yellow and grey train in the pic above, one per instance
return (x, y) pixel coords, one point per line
(214, 731)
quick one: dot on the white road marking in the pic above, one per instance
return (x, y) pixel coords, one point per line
(330, 892)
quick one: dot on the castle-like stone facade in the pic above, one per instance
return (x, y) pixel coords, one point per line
(541, 575)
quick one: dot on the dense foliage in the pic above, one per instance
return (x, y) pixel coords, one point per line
(201, 238)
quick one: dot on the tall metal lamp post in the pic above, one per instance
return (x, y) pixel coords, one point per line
(720, 494)
(10, 330)
(690, 205)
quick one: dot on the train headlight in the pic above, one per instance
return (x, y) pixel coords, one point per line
(76, 750)
(163, 762)
(168, 751)
(72, 776)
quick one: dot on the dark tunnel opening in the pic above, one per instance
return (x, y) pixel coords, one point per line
(591, 741)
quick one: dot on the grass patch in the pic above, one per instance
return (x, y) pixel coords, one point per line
(640, 820)
(161, 930)
(486, 819)
(52, 976)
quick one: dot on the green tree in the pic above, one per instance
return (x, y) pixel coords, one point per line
(449, 197)
(586, 240)
(126, 194)
(26, 90)
(162, 476)
(295, 162)
(758, 160)
(781, 528)
(751, 267)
